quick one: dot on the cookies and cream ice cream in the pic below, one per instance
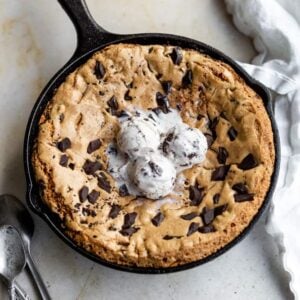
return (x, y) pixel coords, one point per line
(152, 147)
(153, 175)
(136, 134)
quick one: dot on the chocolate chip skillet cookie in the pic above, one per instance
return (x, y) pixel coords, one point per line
(154, 156)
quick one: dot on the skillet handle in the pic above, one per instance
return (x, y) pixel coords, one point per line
(89, 33)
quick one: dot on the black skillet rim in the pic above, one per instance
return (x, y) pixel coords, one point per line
(32, 196)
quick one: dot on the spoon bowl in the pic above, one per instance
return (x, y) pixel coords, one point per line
(12, 254)
(13, 212)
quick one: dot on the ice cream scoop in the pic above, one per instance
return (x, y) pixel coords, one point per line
(185, 146)
(153, 175)
(137, 133)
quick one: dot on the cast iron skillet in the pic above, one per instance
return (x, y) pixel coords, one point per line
(91, 38)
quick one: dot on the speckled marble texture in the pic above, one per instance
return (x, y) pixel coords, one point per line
(36, 39)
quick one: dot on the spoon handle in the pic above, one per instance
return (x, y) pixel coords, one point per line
(37, 278)
(15, 292)
(20, 292)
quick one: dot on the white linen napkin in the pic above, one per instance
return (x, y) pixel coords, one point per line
(275, 29)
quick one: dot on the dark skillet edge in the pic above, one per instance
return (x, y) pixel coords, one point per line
(35, 202)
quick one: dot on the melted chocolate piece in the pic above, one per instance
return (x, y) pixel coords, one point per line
(128, 231)
(72, 166)
(166, 85)
(90, 167)
(157, 219)
(209, 139)
(193, 228)
(104, 183)
(64, 160)
(232, 133)
(218, 210)
(207, 229)
(220, 173)
(129, 220)
(123, 191)
(93, 196)
(189, 216)
(64, 144)
(171, 237)
(196, 195)
(243, 197)
(162, 102)
(99, 70)
(187, 79)
(127, 97)
(113, 103)
(240, 188)
(176, 56)
(115, 209)
(222, 155)
(83, 193)
(248, 162)
(216, 198)
(93, 146)
(207, 215)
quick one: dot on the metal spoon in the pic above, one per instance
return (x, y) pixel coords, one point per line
(13, 212)
(12, 260)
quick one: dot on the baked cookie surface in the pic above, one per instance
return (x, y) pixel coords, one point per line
(213, 202)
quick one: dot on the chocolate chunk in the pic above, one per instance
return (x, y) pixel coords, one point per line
(61, 117)
(113, 103)
(166, 85)
(72, 166)
(207, 215)
(99, 70)
(162, 102)
(93, 196)
(193, 228)
(248, 162)
(176, 56)
(207, 229)
(196, 195)
(189, 216)
(240, 188)
(155, 169)
(123, 191)
(213, 126)
(127, 97)
(220, 173)
(115, 209)
(129, 220)
(157, 219)
(128, 231)
(64, 144)
(243, 197)
(171, 237)
(90, 167)
(93, 146)
(64, 160)
(222, 155)
(209, 139)
(232, 133)
(121, 114)
(218, 210)
(83, 193)
(199, 117)
(187, 79)
(104, 183)
(216, 198)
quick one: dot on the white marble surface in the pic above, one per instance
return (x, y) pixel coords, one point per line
(36, 39)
